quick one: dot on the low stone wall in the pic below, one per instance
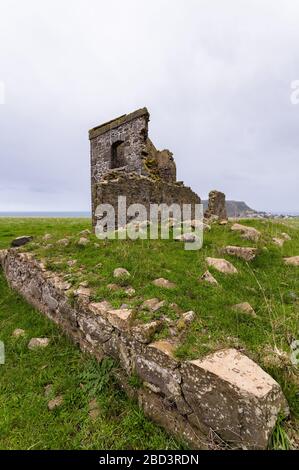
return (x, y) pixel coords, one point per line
(224, 395)
(142, 190)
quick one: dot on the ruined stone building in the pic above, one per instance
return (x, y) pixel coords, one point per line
(124, 161)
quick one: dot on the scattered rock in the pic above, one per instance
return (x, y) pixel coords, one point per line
(48, 390)
(63, 242)
(207, 277)
(196, 224)
(130, 291)
(94, 410)
(245, 307)
(47, 237)
(292, 261)
(71, 262)
(55, 403)
(83, 241)
(278, 241)
(188, 317)
(36, 343)
(113, 287)
(20, 241)
(121, 272)
(187, 238)
(153, 304)
(223, 222)
(286, 236)
(85, 233)
(161, 282)
(222, 265)
(18, 332)
(250, 233)
(246, 253)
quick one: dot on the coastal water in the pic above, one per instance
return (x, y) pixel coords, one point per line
(51, 215)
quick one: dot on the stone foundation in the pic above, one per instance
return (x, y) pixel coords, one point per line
(224, 394)
(142, 190)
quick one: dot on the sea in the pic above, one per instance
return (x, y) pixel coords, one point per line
(51, 215)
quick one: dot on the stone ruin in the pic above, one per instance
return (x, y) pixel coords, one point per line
(124, 161)
(223, 399)
(216, 207)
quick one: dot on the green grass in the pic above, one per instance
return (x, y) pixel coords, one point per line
(26, 422)
(266, 283)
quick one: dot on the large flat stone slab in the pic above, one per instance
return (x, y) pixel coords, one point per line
(222, 265)
(246, 253)
(249, 233)
(233, 396)
(292, 261)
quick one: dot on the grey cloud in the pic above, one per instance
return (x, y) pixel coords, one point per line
(215, 76)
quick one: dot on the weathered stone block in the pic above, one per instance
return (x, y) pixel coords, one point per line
(120, 318)
(233, 396)
(158, 410)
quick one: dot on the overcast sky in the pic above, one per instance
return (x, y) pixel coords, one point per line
(215, 76)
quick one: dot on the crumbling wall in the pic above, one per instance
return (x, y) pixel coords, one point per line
(142, 190)
(159, 163)
(123, 145)
(224, 394)
(216, 206)
(130, 131)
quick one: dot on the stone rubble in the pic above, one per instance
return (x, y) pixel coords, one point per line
(221, 265)
(18, 332)
(20, 241)
(245, 307)
(249, 233)
(121, 273)
(207, 277)
(161, 282)
(292, 261)
(246, 253)
(55, 403)
(36, 343)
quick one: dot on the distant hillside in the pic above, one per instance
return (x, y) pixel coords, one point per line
(235, 209)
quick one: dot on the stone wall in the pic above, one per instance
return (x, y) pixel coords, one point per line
(123, 146)
(142, 190)
(224, 394)
(216, 206)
